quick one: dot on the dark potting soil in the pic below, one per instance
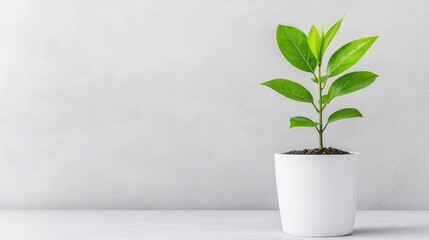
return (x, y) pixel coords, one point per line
(316, 151)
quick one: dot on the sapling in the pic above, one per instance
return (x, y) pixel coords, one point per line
(307, 54)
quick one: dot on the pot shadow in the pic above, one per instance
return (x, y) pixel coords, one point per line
(389, 231)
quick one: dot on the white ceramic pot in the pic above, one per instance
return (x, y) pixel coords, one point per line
(317, 193)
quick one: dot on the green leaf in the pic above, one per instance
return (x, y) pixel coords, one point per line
(294, 47)
(314, 41)
(348, 55)
(327, 39)
(314, 80)
(322, 37)
(302, 122)
(324, 79)
(290, 90)
(344, 114)
(349, 83)
(325, 99)
(322, 34)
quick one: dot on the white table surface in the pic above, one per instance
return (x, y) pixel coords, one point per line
(201, 225)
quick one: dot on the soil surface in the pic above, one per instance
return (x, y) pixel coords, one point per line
(316, 151)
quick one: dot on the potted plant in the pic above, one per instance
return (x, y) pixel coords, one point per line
(317, 188)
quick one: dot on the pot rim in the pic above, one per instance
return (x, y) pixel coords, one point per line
(320, 155)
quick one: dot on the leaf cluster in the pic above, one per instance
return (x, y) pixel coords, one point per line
(306, 52)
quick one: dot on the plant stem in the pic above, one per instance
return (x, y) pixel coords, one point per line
(320, 111)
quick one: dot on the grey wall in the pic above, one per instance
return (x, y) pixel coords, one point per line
(156, 104)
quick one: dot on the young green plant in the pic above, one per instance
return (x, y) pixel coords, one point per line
(306, 53)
